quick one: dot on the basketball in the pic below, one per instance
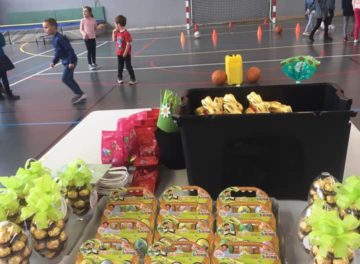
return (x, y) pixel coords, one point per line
(196, 34)
(218, 77)
(253, 74)
(278, 29)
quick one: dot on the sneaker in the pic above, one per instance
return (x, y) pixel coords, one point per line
(95, 66)
(306, 34)
(356, 40)
(79, 98)
(13, 97)
(120, 81)
(331, 27)
(132, 82)
(91, 67)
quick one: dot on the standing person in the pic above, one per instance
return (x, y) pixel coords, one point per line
(348, 14)
(88, 29)
(309, 12)
(65, 53)
(356, 6)
(5, 65)
(331, 7)
(123, 40)
(322, 16)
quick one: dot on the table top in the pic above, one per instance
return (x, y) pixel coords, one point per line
(84, 141)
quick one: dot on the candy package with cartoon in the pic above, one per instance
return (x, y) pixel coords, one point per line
(233, 229)
(133, 194)
(244, 194)
(246, 211)
(178, 252)
(186, 211)
(243, 252)
(136, 232)
(186, 194)
(131, 210)
(146, 177)
(95, 251)
(173, 229)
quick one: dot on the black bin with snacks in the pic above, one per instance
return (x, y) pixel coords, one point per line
(280, 153)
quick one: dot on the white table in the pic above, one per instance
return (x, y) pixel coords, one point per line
(84, 141)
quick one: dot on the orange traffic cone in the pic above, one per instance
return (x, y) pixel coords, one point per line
(259, 34)
(230, 25)
(297, 31)
(214, 38)
(182, 40)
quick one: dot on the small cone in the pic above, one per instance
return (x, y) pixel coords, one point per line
(259, 34)
(214, 38)
(230, 25)
(182, 40)
(297, 31)
(265, 22)
(196, 28)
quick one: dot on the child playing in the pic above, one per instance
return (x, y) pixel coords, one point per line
(322, 16)
(309, 12)
(88, 28)
(356, 6)
(123, 40)
(5, 65)
(65, 52)
(348, 13)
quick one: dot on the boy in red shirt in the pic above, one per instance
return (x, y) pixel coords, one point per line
(123, 40)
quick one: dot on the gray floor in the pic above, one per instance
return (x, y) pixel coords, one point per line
(44, 114)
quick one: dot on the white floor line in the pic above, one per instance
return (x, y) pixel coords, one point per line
(44, 70)
(33, 56)
(203, 65)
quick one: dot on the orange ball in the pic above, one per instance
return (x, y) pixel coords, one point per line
(278, 29)
(253, 74)
(218, 77)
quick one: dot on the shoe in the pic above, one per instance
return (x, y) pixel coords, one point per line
(2, 97)
(91, 67)
(331, 27)
(13, 97)
(95, 66)
(356, 40)
(79, 98)
(132, 82)
(327, 39)
(306, 34)
(120, 81)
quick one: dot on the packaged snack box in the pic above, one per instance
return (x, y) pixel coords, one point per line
(95, 251)
(243, 252)
(186, 194)
(177, 252)
(244, 194)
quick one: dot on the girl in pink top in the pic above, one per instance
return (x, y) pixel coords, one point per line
(88, 28)
(356, 6)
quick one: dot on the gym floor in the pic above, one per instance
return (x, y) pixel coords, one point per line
(30, 126)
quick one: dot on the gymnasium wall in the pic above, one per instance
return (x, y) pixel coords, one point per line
(140, 13)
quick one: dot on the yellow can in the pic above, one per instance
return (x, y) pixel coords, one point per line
(234, 69)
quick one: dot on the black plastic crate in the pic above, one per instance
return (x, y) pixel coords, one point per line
(280, 153)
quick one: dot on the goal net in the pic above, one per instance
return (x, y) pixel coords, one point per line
(223, 11)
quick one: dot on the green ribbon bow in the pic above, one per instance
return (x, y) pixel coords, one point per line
(23, 181)
(348, 194)
(43, 202)
(331, 234)
(76, 173)
(9, 203)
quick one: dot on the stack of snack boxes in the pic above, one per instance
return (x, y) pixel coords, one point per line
(126, 228)
(246, 228)
(184, 232)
